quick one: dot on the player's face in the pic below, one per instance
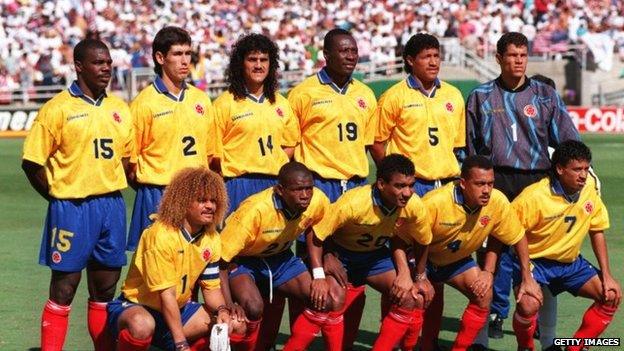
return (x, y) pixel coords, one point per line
(256, 67)
(297, 192)
(398, 190)
(513, 62)
(201, 212)
(425, 65)
(176, 63)
(95, 69)
(477, 186)
(342, 56)
(574, 175)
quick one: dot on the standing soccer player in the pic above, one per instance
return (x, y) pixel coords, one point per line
(337, 117)
(462, 216)
(75, 157)
(173, 126)
(557, 213)
(179, 251)
(512, 120)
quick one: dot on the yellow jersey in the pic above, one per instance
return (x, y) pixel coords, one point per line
(80, 143)
(459, 231)
(262, 226)
(359, 221)
(171, 132)
(169, 257)
(555, 223)
(424, 129)
(251, 133)
(336, 126)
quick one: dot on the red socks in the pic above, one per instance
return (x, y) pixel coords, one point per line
(595, 321)
(54, 326)
(355, 299)
(201, 344)
(333, 331)
(247, 342)
(394, 326)
(473, 319)
(271, 320)
(305, 328)
(433, 318)
(128, 343)
(524, 328)
(96, 322)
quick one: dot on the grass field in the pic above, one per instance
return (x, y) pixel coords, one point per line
(24, 284)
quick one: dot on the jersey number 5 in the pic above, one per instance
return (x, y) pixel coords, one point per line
(433, 138)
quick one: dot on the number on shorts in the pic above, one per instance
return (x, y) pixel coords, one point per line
(61, 239)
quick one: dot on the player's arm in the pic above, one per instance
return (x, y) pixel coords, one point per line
(386, 121)
(289, 150)
(37, 178)
(612, 292)
(474, 141)
(319, 288)
(403, 283)
(215, 302)
(378, 151)
(171, 314)
(421, 285)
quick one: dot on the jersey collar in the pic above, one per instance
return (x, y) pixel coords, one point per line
(557, 189)
(527, 82)
(160, 87)
(414, 83)
(325, 79)
(191, 237)
(75, 91)
(458, 196)
(376, 195)
(278, 203)
(257, 100)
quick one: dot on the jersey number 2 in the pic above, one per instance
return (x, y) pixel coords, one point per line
(188, 142)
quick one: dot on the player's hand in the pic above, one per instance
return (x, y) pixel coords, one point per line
(401, 286)
(611, 291)
(224, 316)
(237, 312)
(530, 287)
(319, 292)
(424, 289)
(332, 266)
(482, 284)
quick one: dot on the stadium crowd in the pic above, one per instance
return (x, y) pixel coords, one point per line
(36, 37)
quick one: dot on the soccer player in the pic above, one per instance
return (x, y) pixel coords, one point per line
(462, 216)
(75, 157)
(422, 117)
(361, 223)
(557, 213)
(180, 250)
(337, 117)
(173, 126)
(512, 120)
(257, 239)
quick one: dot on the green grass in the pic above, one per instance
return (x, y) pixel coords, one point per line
(24, 284)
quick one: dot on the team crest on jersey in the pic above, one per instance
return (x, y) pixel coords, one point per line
(530, 111)
(199, 109)
(56, 257)
(361, 103)
(116, 117)
(450, 107)
(588, 207)
(206, 255)
(279, 112)
(484, 221)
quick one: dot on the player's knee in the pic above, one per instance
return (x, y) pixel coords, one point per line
(254, 307)
(528, 306)
(141, 326)
(337, 296)
(419, 301)
(483, 301)
(239, 327)
(62, 294)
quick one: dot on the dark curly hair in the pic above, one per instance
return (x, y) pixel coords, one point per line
(394, 163)
(570, 150)
(416, 44)
(235, 70)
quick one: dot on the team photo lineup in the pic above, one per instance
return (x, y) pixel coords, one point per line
(264, 202)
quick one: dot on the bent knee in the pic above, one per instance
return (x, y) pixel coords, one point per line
(337, 296)
(254, 307)
(239, 327)
(140, 325)
(528, 306)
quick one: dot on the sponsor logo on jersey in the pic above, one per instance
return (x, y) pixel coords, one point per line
(82, 115)
(530, 111)
(243, 115)
(199, 109)
(450, 224)
(116, 117)
(56, 257)
(279, 112)
(484, 220)
(206, 255)
(163, 113)
(449, 107)
(361, 103)
(588, 207)
(321, 102)
(413, 105)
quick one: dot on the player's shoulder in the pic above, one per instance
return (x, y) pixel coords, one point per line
(159, 235)
(306, 84)
(115, 101)
(539, 188)
(396, 90)
(362, 88)
(483, 89)
(196, 93)
(56, 103)
(319, 198)
(450, 90)
(439, 195)
(497, 198)
(257, 203)
(224, 99)
(280, 99)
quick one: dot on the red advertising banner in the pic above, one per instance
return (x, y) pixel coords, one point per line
(598, 119)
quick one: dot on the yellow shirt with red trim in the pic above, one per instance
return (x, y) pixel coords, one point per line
(459, 231)
(556, 224)
(168, 257)
(358, 221)
(80, 142)
(336, 126)
(262, 226)
(252, 132)
(171, 132)
(425, 129)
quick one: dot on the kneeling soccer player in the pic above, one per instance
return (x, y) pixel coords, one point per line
(179, 250)
(257, 239)
(462, 215)
(361, 223)
(557, 213)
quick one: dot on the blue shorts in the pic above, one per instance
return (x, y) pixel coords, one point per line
(333, 188)
(558, 276)
(281, 267)
(79, 231)
(360, 265)
(441, 274)
(422, 186)
(240, 188)
(162, 335)
(145, 204)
